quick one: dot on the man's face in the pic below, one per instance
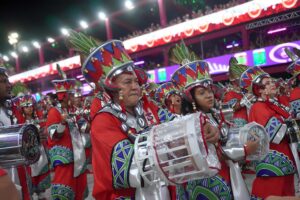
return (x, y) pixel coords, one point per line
(129, 88)
(5, 87)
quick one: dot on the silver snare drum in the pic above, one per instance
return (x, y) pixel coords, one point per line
(19, 145)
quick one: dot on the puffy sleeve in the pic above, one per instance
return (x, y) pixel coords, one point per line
(54, 123)
(230, 98)
(112, 157)
(272, 123)
(95, 107)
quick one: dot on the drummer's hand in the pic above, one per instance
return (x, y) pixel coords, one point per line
(211, 133)
(251, 146)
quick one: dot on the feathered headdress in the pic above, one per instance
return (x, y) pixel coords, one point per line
(180, 54)
(82, 43)
(192, 73)
(235, 69)
(19, 89)
(64, 85)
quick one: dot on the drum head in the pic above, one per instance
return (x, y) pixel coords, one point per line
(30, 144)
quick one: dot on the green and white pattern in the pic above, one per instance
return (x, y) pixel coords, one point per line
(275, 164)
(62, 192)
(214, 188)
(120, 162)
(60, 155)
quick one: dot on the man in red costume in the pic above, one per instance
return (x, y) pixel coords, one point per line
(66, 149)
(114, 128)
(275, 173)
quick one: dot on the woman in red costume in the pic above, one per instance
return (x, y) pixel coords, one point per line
(275, 173)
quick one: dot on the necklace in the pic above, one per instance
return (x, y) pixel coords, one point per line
(125, 126)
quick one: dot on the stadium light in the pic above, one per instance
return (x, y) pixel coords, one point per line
(6, 58)
(129, 5)
(13, 38)
(83, 24)
(50, 40)
(14, 54)
(25, 49)
(65, 31)
(36, 44)
(102, 16)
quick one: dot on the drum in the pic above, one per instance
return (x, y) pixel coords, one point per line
(254, 131)
(19, 145)
(176, 152)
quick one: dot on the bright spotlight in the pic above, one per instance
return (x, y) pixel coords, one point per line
(25, 49)
(65, 31)
(129, 5)
(15, 35)
(36, 44)
(13, 38)
(84, 24)
(50, 40)
(102, 16)
(6, 58)
(14, 54)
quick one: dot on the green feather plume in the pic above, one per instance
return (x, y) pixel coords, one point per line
(291, 54)
(19, 89)
(181, 54)
(235, 69)
(82, 43)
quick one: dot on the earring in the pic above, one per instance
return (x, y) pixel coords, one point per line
(194, 106)
(121, 95)
(144, 92)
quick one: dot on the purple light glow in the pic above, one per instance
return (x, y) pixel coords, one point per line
(139, 62)
(276, 30)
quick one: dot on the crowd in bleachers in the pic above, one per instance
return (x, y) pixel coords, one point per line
(194, 14)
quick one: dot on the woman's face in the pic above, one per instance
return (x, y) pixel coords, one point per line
(175, 99)
(28, 110)
(270, 88)
(204, 98)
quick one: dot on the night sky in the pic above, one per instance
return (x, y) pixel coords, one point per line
(37, 20)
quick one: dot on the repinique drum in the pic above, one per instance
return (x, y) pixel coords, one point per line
(254, 131)
(176, 152)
